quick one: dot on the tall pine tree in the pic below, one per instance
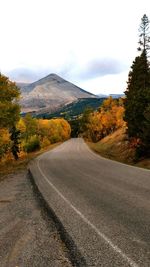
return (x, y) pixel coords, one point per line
(138, 93)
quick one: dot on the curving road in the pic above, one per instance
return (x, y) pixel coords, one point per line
(103, 205)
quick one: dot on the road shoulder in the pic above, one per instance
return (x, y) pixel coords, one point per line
(28, 235)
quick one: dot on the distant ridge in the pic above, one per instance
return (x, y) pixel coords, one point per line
(112, 95)
(49, 94)
(117, 95)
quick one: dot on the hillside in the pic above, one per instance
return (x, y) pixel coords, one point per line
(75, 108)
(50, 93)
(117, 147)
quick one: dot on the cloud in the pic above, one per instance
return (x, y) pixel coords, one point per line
(27, 75)
(97, 68)
(71, 70)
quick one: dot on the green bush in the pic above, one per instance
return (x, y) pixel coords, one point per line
(32, 144)
(45, 142)
(55, 138)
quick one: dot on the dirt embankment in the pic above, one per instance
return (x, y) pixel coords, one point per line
(28, 235)
(116, 146)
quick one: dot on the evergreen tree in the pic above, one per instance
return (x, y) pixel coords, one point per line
(138, 91)
(15, 138)
(145, 148)
(85, 119)
(144, 34)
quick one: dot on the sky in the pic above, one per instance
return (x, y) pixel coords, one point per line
(91, 43)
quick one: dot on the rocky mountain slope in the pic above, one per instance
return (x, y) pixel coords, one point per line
(49, 94)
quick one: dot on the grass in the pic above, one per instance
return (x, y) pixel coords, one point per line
(117, 147)
(12, 166)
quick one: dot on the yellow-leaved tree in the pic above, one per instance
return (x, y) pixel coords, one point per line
(103, 122)
(9, 114)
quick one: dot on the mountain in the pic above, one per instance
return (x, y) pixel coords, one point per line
(50, 93)
(74, 109)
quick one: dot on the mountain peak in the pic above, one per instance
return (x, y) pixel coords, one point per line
(53, 76)
(50, 93)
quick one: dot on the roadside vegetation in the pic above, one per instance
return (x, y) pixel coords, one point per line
(96, 125)
(32, 135)
(21, 137)
(117, 146)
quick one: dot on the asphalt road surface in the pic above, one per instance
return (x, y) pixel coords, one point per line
(103, 205)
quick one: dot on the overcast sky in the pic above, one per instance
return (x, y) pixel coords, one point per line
(91, 43)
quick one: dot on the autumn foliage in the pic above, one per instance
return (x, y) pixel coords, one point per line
(96, 125)
(34, 135)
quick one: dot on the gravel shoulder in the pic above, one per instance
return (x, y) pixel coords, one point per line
(28, 236)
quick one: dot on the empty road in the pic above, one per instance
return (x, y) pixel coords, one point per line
(103, 205)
